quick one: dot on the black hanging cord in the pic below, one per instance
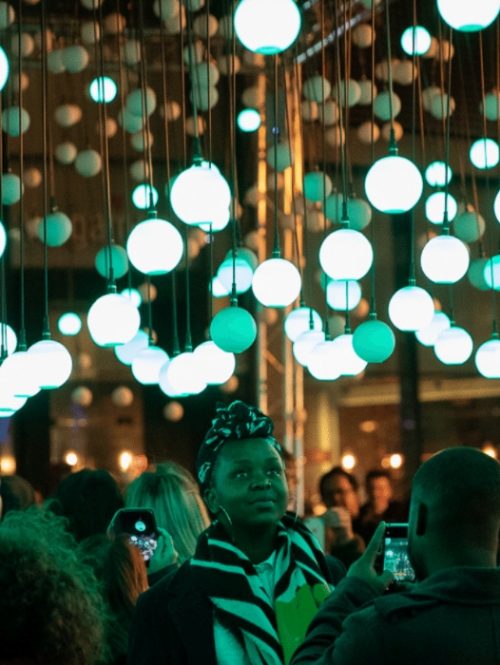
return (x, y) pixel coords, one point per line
(22, 328)
(46, 323)
(276, 133)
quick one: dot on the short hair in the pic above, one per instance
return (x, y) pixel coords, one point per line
(232, 422)
(173, 495)
(377, 473)
(461, 486)
(51, 610)
(88, 499)
(16, 493)
(336, 471)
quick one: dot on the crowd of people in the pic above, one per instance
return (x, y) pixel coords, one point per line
(233, 577)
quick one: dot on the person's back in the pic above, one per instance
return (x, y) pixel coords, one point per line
(452, 616)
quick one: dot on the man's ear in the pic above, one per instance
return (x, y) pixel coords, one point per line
(209, 496)
(422, 518)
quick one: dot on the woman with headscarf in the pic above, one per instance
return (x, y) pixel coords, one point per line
(257, 577)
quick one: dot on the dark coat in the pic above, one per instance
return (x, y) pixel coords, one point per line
(451, 618)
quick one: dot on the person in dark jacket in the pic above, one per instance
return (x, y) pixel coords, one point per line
(452, 615)
(258, 574)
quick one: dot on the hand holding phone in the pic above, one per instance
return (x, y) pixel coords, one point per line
(140, 526)
(393, 555)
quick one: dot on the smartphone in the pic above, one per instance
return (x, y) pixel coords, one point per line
(394, 553)
(140, 526)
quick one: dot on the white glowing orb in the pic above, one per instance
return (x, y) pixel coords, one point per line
(435, 207)
(468, 16)
(496, 206)
(215, 365)
(155, 246)
(52, 363)
(484, 154)
(133, 295)
(112, 320)
(276, 283)
(147, 363)
(323, 362)
(445, 259)
(393, 184)
(305, 343)
(3, 239)
(343, 294)
(102, 89)
(249, 120)
(487, 359)
(438, 174)
(267, 27)
(4, 68)
(127, 352)
(346, 255)
(427, 336)
(243, 274)
(8, 339)
(411, 308)
(69, 323)
(301, 320)
(16, 372)
(183, 375)
(350, 364)
(199, 193)
(415, 40)
(453, 346)
(144, 196)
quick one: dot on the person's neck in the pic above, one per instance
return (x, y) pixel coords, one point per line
(257, 544)
(450, 557)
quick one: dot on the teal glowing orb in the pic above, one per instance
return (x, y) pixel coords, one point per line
(484, 154)
(3, 239)
(69, 323)
(249, 120)
(453, 346)
(155, 246)
(468, 16)
(57, 230)
(233, 329)
(487, 359)
(103, 90)
(415, 40)
(114, 255)
(4, 68)
(374, 341)
(491, 272)
(427, 336)
(438, 174)
(411, 308)
(445, 259)
(300, 320)
(267, 27)
(475, 274)
(393, 184)
(144, 196)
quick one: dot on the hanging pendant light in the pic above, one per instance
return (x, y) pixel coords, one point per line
(445, 259)
(16, 371)
(112, 319)
(3, 239)
(491, 272)
(183, 375)
(346, 255)
(453, 346)
(154, 246)
(350, 364)
(323, 362)
(468, 16)
(301, 319)
(214, 365)
(267, 27)
(244, 270)
(276, 282)
(374, 341)
(233, 329)
(305, 343)
(496, 206)
(69, 324)
(9, 403)
(147, 363)
(128, 351)
(51, 363)
(487, 358)
(393, 184)
(427, 336)
(343, 295)
(8, 338)
(411, 308)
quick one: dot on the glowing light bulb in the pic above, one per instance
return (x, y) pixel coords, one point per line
(3, 239)
(438, 174)
(4, 68)
(343, 294)
(113, 320)
(491, 272)
(453, 346)
(411, 308)
(323, 362)
(267, 27)
(233, 329)
(374, 341)
(214, 364)
(276, 283)
(487, 359)
(346, 255)
(69, 324)
(496, 207)
(349, 361)
(147, 363)
(299, 320)
(16, 372)
(435, 205)
(249, 120)
(415, 40)
(51, 363)
(305, 343)
(184, 376)
(393, 184)
(102, 89)
(155, 246)
(484, 154)
(445, 259)
(427, 336)
(468, 16)
(144, 196)
(199, 193)
(127, 352)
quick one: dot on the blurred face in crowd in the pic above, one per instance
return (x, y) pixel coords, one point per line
(338, 492)
(379, 493)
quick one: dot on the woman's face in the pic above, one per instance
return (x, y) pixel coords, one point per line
(248, 484)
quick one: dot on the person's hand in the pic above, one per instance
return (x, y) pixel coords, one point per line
(364, 567)
(339, 519)
(165, 554)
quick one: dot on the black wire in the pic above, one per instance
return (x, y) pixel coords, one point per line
(46, 324)
(146, 126)
(276, 133)
(22, 329)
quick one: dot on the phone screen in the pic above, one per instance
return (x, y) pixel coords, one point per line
(395, 553)
(140, 526)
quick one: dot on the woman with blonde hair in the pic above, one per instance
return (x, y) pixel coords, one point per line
(173, 495)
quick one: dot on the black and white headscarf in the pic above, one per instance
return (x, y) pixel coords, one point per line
(231, 423)
(268, 629)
